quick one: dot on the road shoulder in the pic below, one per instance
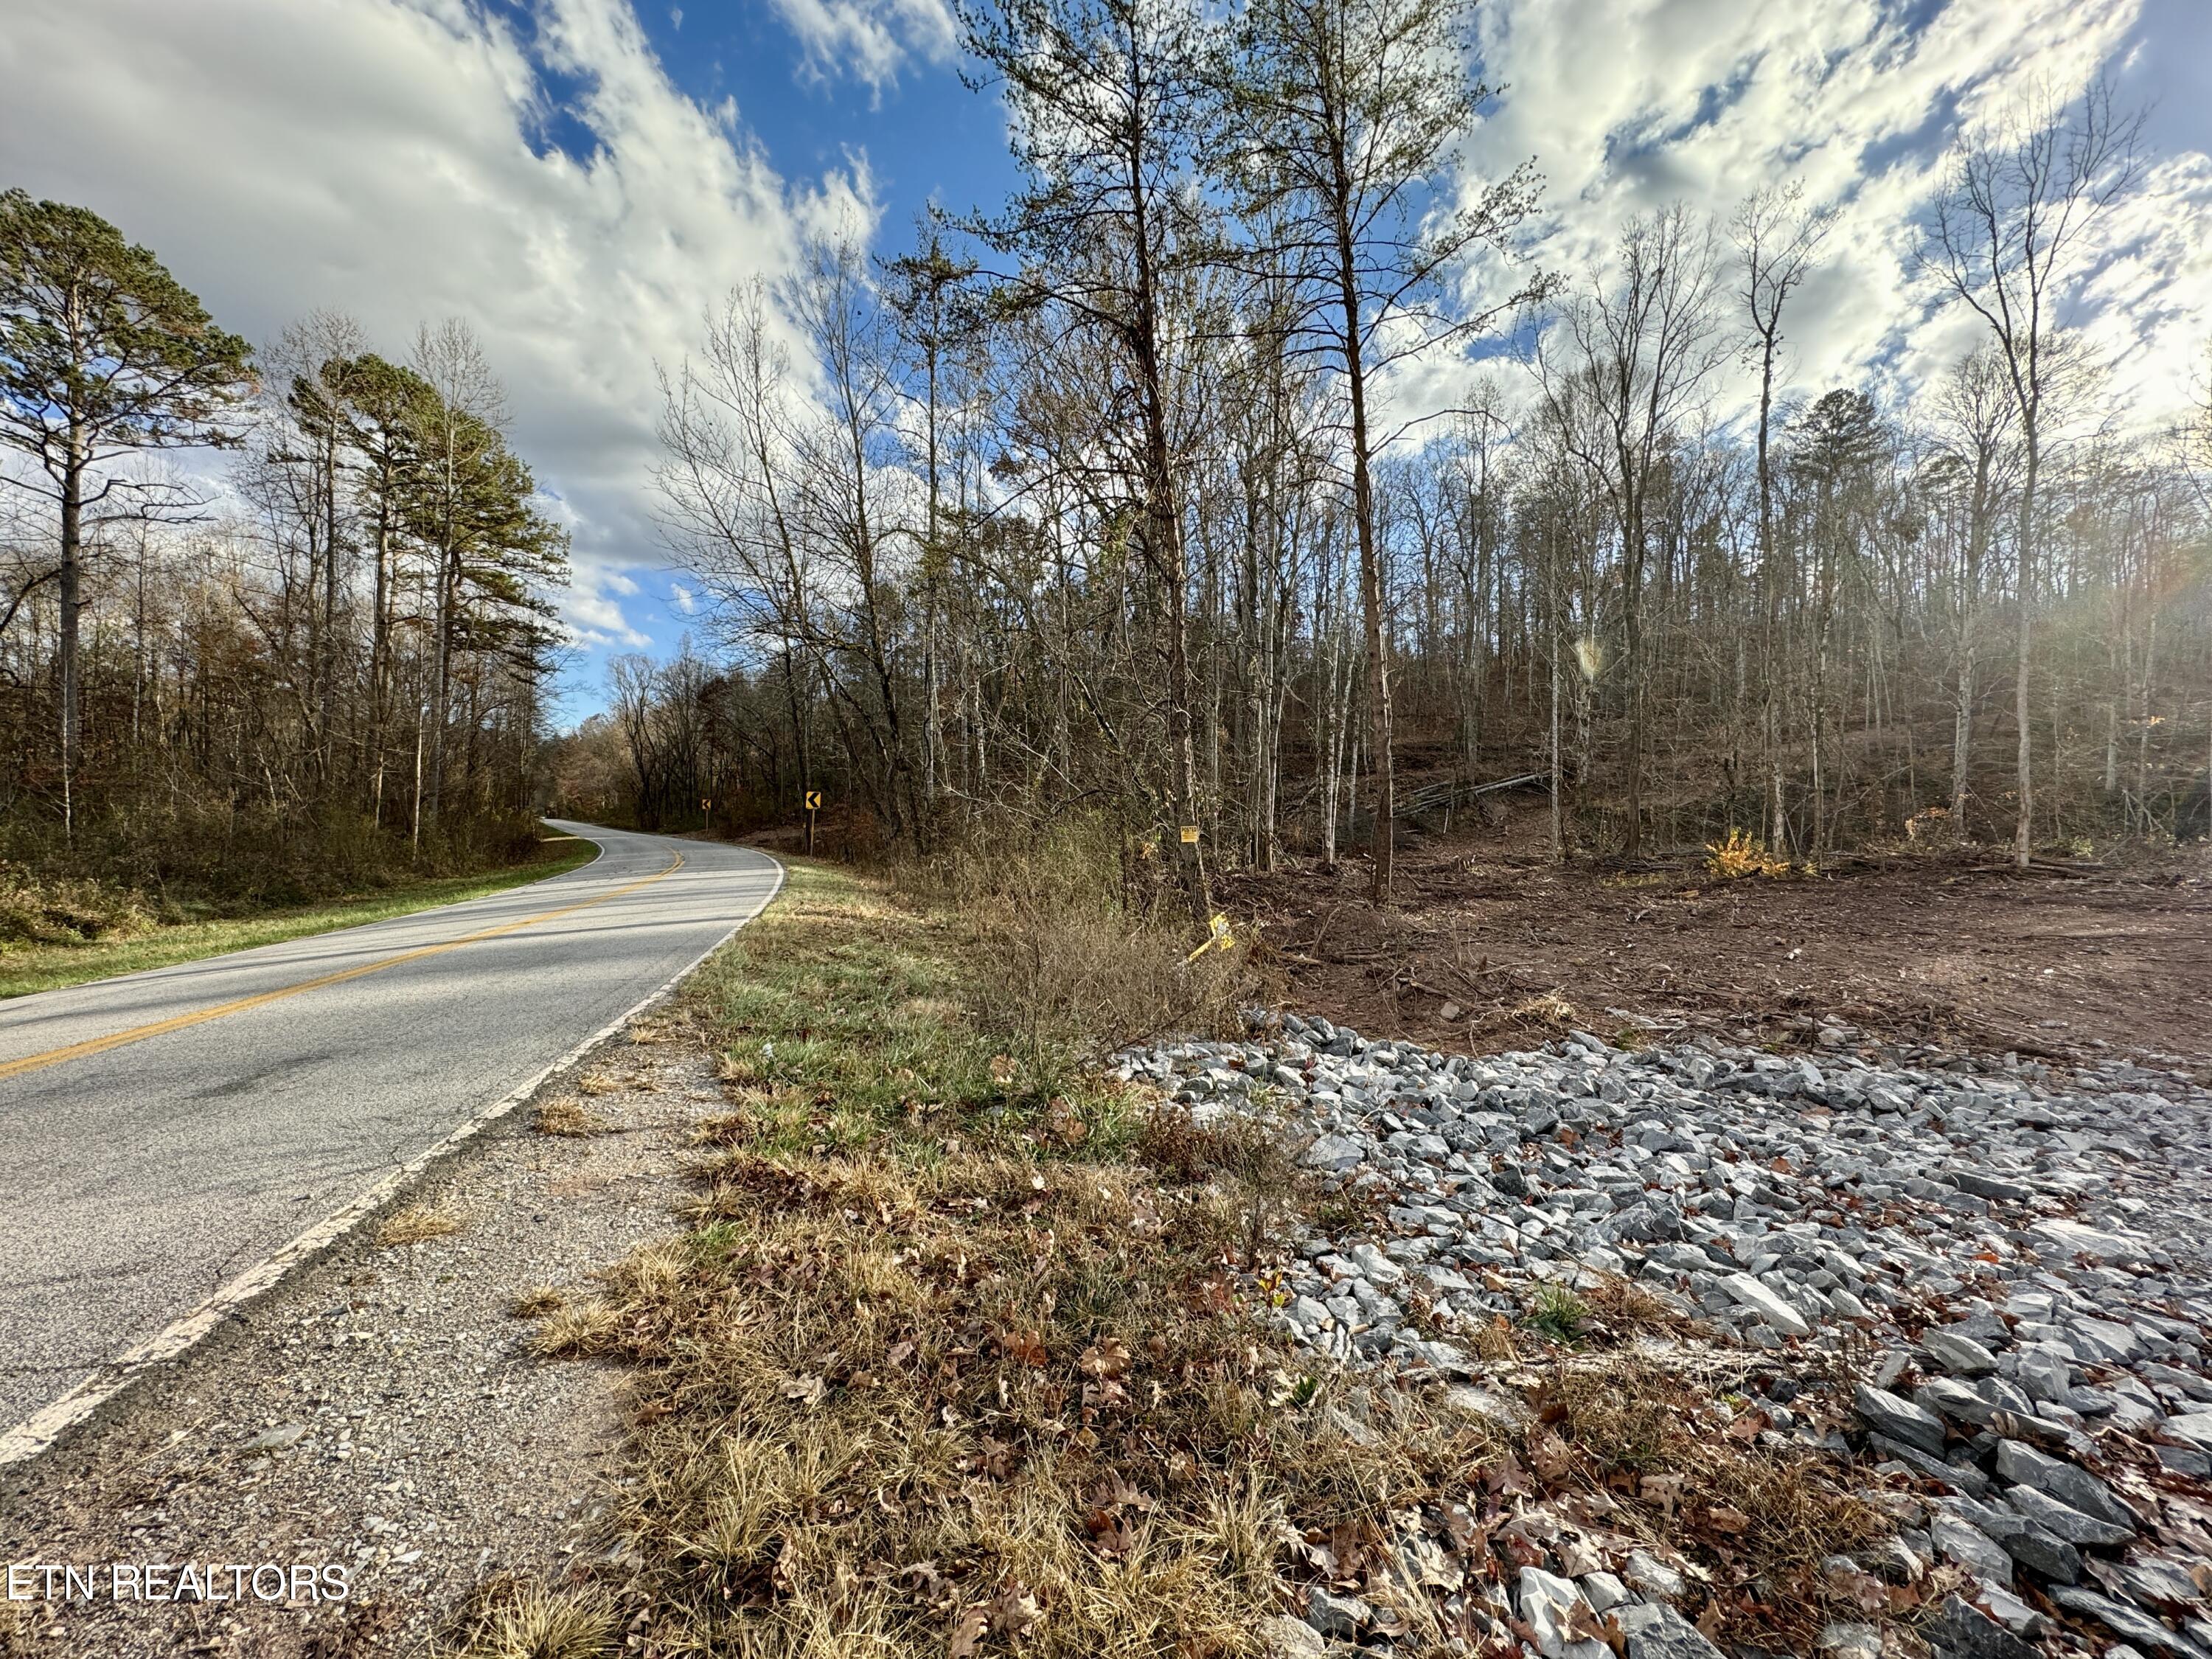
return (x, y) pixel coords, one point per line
(383, 1410)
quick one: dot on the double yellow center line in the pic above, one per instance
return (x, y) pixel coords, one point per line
(140, 1033)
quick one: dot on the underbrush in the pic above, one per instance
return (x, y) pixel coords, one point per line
(1673, 1455)
(1741, 855)
(1077, 946)
(984, 1395)
(143, 865)
(967, 1349)
(57, 929)
(68, 910)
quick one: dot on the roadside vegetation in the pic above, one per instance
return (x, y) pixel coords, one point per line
(58, 932)
(966, 1347)
(333, 687)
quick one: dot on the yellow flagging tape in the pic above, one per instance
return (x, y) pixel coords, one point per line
(1219, 939)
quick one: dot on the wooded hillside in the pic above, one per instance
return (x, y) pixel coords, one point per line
(1233, 473)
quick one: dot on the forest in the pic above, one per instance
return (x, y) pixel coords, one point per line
(317, 666)
(1250, 469)
(1247, 472)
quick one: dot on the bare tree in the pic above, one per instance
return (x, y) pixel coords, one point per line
(1976, 428)
(1105, 100)
(2003, 238)
(1778, 240)
(1638, 348)
(1348, 112)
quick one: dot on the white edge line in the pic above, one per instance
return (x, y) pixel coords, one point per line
(38, 1433)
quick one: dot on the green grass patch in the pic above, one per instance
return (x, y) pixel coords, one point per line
(27, 968)
(847, 1017)
(1557, 1312)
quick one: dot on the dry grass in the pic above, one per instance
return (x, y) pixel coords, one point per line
(1621, 1311)
(962, 1355)
(567, 1117)
(1670, 1442)
(415, 1224)
(1080, 946)
(529, 1621)
(1252, 1157)
(958, 1355)
(536, 1302)
(984, 1391)
(578, 1330)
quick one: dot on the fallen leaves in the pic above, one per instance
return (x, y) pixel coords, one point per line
(1106, 1359)
(1011, 1612)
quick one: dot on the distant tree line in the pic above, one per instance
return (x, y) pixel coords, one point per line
(329, 663)
(1095, 503)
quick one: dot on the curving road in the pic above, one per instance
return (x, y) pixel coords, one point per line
(166, 1132)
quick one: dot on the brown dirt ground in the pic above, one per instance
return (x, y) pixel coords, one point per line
(1952, 951)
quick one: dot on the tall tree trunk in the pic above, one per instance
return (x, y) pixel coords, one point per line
(1632, 576)
(380, 642)
(441, 699)
(71, 586)
(1962, 727)
(326, 689)
(1165, 549)
(1371, 598)
(2023, 829)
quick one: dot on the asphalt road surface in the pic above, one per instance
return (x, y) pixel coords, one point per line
(162, 1132)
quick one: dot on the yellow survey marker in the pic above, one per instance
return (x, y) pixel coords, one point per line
(1218, 938)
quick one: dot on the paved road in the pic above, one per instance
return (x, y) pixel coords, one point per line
(140, 1170)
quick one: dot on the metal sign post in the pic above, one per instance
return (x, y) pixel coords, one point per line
(813, 805)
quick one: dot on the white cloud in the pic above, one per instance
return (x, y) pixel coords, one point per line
(386, 158)
(1628, 104)
(682, 598)
(598, 620)
(870, 40)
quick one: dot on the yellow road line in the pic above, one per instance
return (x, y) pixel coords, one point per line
(140, 1033)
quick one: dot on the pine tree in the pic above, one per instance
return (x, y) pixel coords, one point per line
(103, 353)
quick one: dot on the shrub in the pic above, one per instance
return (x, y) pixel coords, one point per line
(66, 910)
(1740, 855)
(1077, 952)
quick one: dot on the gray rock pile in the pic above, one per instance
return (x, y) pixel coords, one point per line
(2015, 1259)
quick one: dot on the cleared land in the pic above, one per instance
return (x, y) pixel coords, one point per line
(955, 1344)
(1955, 950)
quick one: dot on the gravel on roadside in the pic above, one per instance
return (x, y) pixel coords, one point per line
(2014, 1259)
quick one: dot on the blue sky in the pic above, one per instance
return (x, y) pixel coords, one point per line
(920, 135)
(580, 179)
